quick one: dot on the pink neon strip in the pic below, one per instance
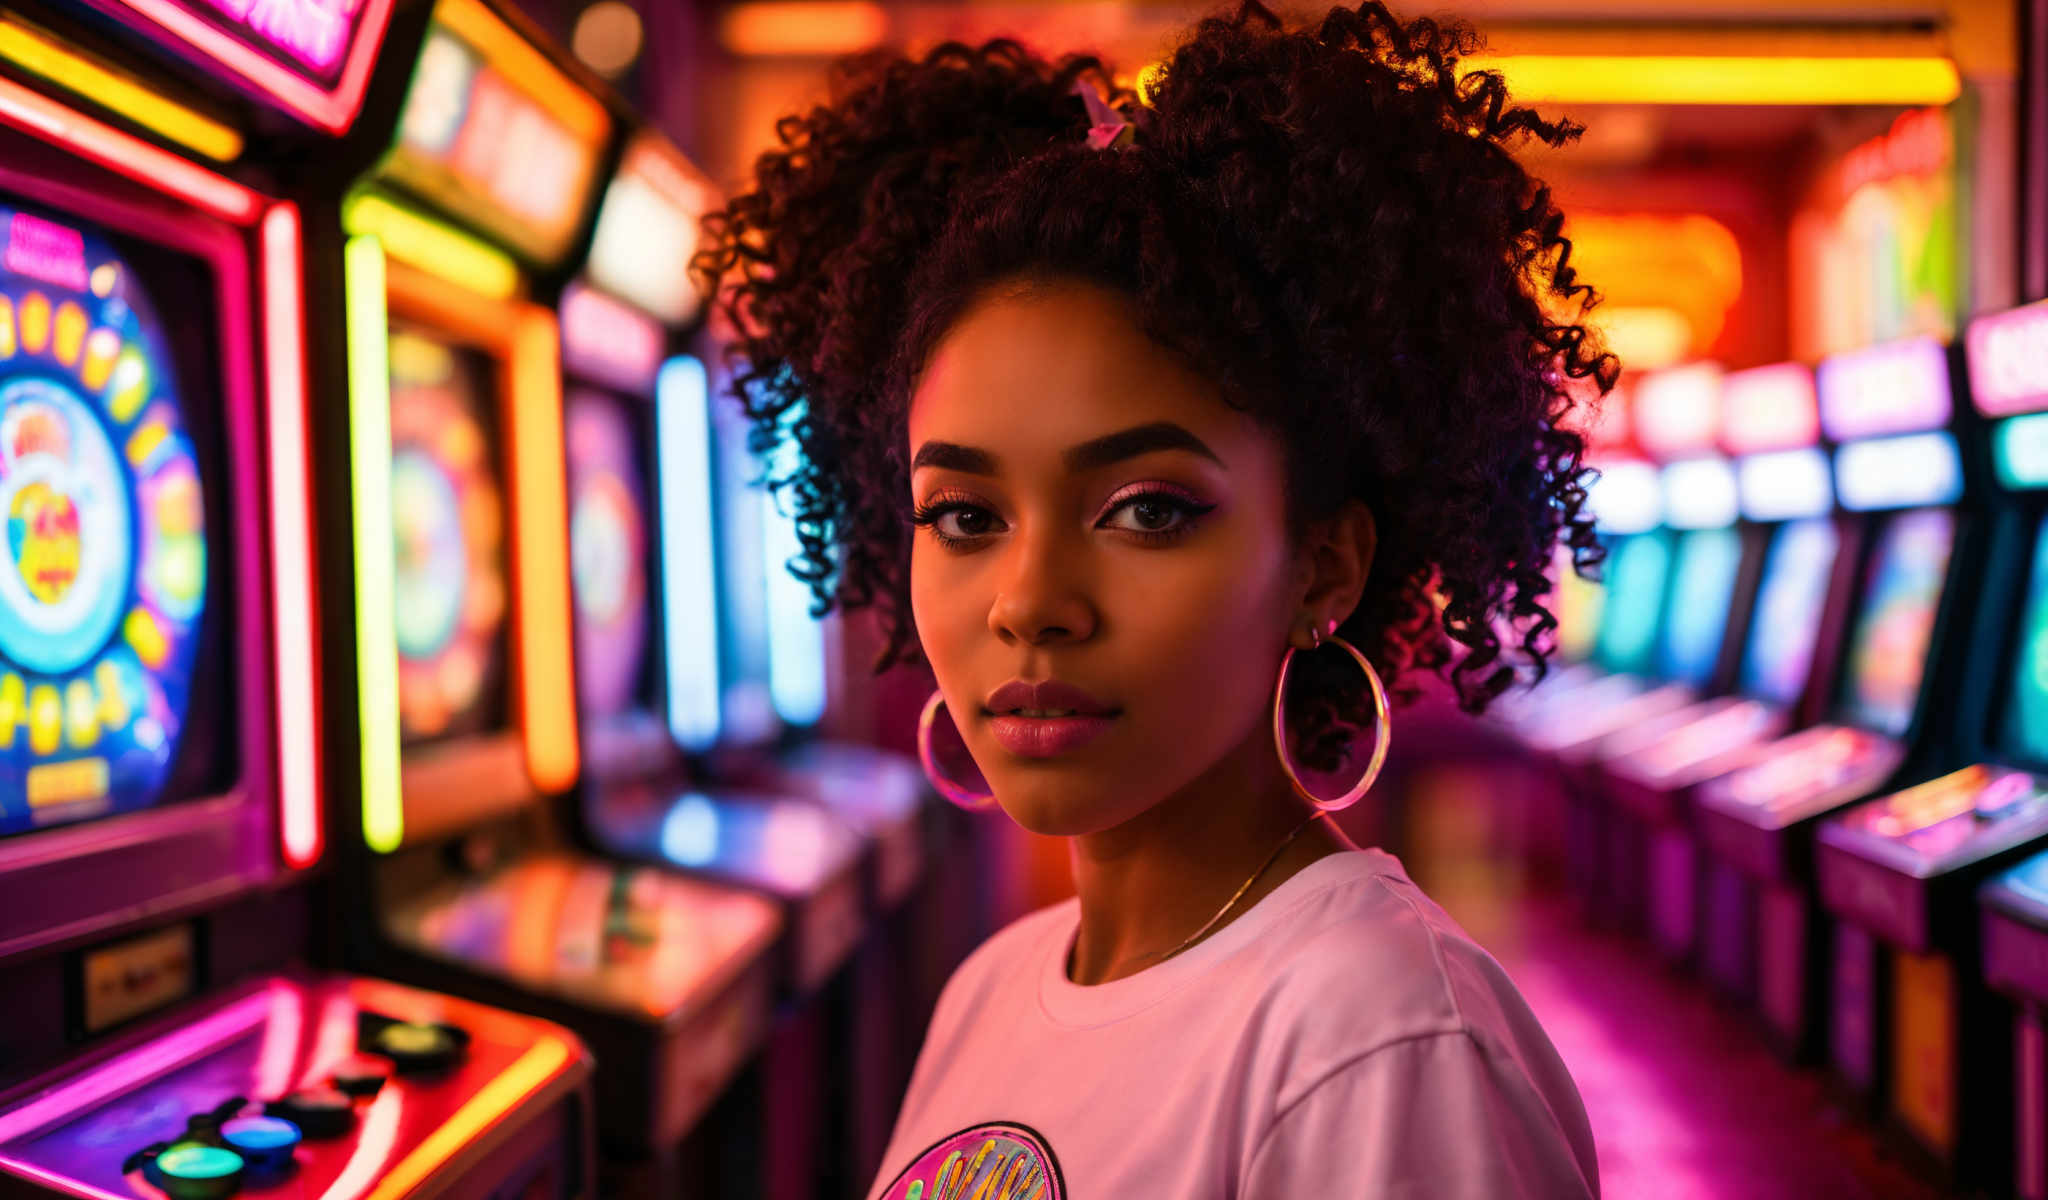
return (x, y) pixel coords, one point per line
(124, 1072)
(331, 111)
(291, 540)
(278, 1060)
(131, 156)
(69, 1187)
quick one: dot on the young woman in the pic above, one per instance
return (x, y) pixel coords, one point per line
(1123, 412)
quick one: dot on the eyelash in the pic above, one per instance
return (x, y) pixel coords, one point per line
(928, 514)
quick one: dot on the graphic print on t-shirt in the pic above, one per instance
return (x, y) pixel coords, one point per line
(991, 1161)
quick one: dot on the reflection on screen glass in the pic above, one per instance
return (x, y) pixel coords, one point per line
(2025, 725)
(1786, 624)
(1701, 587)
(1888, 654)
(1636, 570)
(103, 572)
(449, 513)
(608, 550)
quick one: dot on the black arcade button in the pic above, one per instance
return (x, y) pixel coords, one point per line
(360, 1083)
(318, 1112)
(414, 1047)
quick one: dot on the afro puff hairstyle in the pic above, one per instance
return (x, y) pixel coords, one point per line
(1327, 220)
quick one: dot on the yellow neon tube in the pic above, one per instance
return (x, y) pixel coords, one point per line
(369, 421)
(527, 1075)
(40, 54)
(436, 248)
(1718, 79)
(540, 521)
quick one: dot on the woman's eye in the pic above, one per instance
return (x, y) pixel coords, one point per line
(1151, 514)
(964, 521)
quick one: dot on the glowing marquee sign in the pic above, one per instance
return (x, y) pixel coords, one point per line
(1897, 387)
(495, 134)
(311, 58)
(647, 230)
(2008, 356)
(1769, 408)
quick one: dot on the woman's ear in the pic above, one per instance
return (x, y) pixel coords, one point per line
(1337, 554)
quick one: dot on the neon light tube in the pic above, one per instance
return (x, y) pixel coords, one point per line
(796, 639)
(1723, 79)
(291, 542)
(131, 156)
(540, 521)
(44, 56)
(689, 574)
(331, 111)
(528, 1074)
(436, 248)
(369, 429)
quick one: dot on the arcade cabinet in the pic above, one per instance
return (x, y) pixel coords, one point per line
(1786, 497)
(464, 690)
(1898, 480)
(1905, 867)
(161, 791)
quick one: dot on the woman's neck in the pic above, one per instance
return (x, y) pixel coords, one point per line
(1148, 883)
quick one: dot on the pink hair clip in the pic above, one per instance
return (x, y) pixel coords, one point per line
(1106, 126)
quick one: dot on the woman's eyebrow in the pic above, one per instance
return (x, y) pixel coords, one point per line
(1088, 456)
(1138, 439)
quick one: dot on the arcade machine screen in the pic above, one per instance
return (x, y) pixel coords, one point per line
(611, 555)
(1577, 603)
(2024, 727)
(1636, 571)
(1900, 597)
(1702, 587)
(1786, 625)
(108, 696)
(448, 506)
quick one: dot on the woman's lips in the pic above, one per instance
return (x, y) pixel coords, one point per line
(1045, 737)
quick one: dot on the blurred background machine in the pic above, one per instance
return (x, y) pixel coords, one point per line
(393, 593)
(164, 798)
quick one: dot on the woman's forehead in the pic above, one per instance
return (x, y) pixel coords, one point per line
(1060, 364)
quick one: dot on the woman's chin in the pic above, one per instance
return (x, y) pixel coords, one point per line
(1042, 807)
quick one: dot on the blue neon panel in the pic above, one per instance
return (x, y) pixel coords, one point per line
(1636, 570)
(1786, 624)
(1702, 586)
(2024, 728)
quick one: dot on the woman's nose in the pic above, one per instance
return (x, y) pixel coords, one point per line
(1041, 596)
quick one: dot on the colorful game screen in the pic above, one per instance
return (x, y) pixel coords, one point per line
(2023, 729)
(450, 512)
(1636, 570)
(1901, 593)
(1702, 585)
(1786, 624)
(1577, 603)
(611, 555)
(105, 587)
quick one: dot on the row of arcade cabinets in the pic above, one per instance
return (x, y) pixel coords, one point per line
(164, 792)
(1845, 835)
(415, 563)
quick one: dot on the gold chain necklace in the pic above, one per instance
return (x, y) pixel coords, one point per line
(1239, 894)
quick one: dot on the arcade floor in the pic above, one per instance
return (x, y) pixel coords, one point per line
(1686, 1101)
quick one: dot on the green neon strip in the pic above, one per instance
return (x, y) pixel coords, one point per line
(2020, 449)
(369, 424)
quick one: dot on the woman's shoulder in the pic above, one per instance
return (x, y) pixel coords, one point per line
(1365, 959)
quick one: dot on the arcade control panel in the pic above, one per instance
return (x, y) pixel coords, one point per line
(321, 1087)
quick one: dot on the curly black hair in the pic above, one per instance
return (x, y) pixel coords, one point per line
(1328, 220)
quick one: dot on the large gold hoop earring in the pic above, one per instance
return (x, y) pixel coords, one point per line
(1382, 730)
(970, 800)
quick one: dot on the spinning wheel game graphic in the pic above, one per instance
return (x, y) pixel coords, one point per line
(450, 518)
(608, 552)
(103, 567)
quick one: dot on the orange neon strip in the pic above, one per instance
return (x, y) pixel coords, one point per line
(533, 1069)
(131, 156)
(540, 521)
(583, 113)
(291, 540)
(330, 111)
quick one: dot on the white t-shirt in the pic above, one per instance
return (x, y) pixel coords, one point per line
(1343, 1037)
